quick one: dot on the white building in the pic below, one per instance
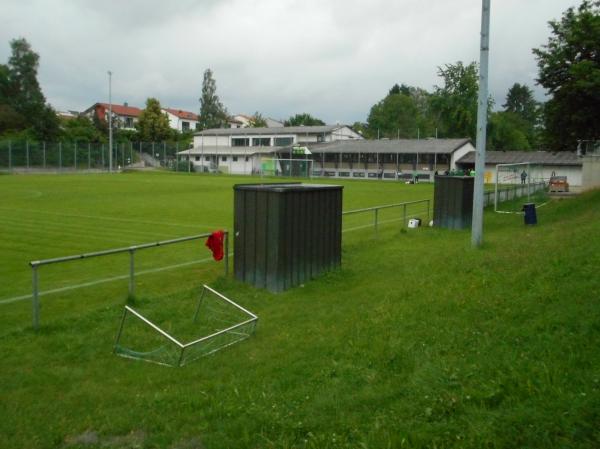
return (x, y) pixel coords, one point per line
(183, 121)
(336, 151)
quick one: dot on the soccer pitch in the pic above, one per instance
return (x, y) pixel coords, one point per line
(418, 341)
(44, 217)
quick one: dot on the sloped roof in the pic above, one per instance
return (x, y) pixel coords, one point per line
(515, 157)
(273, 130)
(421, 146)
(186, 115)
(118, 109)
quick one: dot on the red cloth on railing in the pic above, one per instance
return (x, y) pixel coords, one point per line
(215, 243)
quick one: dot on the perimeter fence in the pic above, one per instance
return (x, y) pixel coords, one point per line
(25, 155)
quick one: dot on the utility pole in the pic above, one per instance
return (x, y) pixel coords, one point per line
(482, 108)
(110, 136)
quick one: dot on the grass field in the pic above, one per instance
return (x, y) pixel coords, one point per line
(417, 341)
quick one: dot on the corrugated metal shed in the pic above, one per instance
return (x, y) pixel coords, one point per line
(453, 201)
(286, 234)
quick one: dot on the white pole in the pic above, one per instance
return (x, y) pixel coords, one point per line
(110, 136)
(482, 108)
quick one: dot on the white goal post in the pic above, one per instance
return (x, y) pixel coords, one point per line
(517, 180)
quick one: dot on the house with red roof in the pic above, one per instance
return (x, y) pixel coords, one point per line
(126, 117)
(180, 120)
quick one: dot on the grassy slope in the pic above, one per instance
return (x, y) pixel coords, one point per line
(418, 341)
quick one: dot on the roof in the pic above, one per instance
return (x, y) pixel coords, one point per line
(186, 115)
(420, 146)
(515, 157)
(273, 130)
(235, 151)
(122, 110)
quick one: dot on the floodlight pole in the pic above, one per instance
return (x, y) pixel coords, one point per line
(482, 108)
(110, 136)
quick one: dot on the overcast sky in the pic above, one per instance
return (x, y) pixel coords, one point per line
(331, 58)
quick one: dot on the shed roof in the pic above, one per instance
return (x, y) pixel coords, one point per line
(422, 146)
(515, 157)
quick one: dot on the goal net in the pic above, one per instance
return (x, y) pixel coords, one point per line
(516, 184)
(213, 324)
(289, 168)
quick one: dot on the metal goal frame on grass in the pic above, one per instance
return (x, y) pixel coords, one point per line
(510, 187)
(175, 353)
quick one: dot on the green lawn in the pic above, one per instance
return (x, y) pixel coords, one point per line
(417, 341)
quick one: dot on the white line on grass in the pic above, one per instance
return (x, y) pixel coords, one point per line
(105, 280)
(126, 220)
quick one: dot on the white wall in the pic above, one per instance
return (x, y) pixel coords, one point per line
(573, 173)
(591, 172)
(467, 148)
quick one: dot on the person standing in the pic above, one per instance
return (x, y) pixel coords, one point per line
(523, 176)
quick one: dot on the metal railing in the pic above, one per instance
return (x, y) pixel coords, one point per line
(375, 210)
(130, 249)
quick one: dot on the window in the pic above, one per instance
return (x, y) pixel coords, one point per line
(197, 158)
(240, 142)
(234, 158)
(207, 158)
(197, 126)
(261, 142)
(185, 126)
(128, 122)
(283, 141)
(247, 158)
(223, 158)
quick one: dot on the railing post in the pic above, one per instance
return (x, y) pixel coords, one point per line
(9, 155)
(226, 253)
(60, 155)
(376, 219)
(44, 152)
(131, 272)
(89, 155)
(75, 156)
(35, 298)
(27, 152)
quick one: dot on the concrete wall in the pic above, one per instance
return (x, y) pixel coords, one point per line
(590, 173)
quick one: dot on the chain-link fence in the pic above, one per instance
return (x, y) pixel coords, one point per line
(24, 155)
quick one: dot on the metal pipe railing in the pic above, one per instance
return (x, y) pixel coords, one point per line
(35, 264)
(376, 210)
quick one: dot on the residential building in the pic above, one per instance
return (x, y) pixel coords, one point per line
(180, 120)
(243, 121)
(124, 116)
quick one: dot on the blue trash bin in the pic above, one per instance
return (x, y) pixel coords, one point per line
(530, 215)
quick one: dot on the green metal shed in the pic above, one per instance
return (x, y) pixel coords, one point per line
(453, 201)
(286, 234)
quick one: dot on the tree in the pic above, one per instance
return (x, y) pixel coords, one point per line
(455, 103)
(257, 121)
(519, 100)
(508, 131)
(303, 119)
(21, 96)
(212, 112)
(569, 68)
(394, 116)
(80, 129)
(153, 124)
(404, 112)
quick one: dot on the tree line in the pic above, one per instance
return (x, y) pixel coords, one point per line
(568, 64)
